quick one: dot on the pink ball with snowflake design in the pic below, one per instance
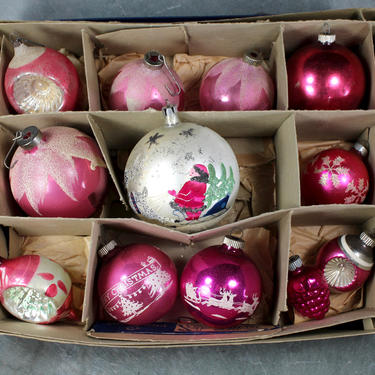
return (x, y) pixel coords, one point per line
(235, 85)
(62, 175)
(137, 284)
(335, 176)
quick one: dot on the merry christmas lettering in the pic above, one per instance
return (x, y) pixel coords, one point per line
(121, 288)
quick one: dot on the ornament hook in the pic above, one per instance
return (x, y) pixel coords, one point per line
(27, 138)
(173, 78)
(12, 149)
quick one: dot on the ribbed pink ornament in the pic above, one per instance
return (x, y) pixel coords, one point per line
(308, 291)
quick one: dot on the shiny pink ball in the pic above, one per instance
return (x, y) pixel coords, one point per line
(325, 77)
(139, 86)
(35, 289)
(137, 284)
(62, 175)
(235, 85)
(335, 176)
(308, 291)
(220, 286)
(40, 79)
(342, 268)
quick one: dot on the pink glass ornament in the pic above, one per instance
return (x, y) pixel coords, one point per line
(346, 261)
(220, 286)
(137, 284)
(146, 83)
(237, 84)
(325, 75)
(40, 79)
(308, 291)
(58, 172)
(336, 176)
(35, 289)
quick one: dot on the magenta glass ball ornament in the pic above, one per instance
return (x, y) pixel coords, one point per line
(40, 79)
(237, 84)
(137, 283)
(325, 75)
(146, 83)
(220, 286)
(308, 291)
(346, 261)
(335, 176)
(57, 172)
(35, 289)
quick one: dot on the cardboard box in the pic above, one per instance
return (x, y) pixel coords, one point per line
(115, 131)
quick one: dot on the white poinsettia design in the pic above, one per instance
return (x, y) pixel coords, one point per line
(334, 170)
(358, 191)
(54, 158)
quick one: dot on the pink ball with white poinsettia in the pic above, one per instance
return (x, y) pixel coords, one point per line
(57, 172)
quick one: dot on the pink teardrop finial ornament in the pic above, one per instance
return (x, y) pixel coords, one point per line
(40, 79)
(57, 172)
(35, 289)
(146, 83)
(237, 84)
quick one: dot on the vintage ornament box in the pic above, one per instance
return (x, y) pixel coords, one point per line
(285, 131)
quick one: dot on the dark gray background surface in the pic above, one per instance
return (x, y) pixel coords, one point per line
(339, 356)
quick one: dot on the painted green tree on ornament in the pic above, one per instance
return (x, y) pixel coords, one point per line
(218, 187)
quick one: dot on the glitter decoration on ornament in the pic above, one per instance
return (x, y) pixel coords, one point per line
(40, 79)
(68, 168)
(181, 174)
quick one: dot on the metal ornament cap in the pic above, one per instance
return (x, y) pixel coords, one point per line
(367, 240)
(29, 138)
(361, 257)
(170, 114)
(325, 37)
(295, 262)
(361, 149)
(234, 242)
(253, 58)
(102, 252)
(154, 60)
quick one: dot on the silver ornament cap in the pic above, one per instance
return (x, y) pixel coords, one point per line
(295, 262)
(234, 242)
(361, 149)
(367, 240)
(325, 37)
(29, 138)
(170, 115)
(153, 60)
(107, 248)
(253, 58)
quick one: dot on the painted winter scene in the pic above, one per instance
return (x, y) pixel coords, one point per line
(132, 298)
(199, 298)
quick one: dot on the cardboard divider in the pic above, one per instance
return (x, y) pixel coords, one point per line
(9, 125)
(275, 225)
(320, 130)
(356, 35)
(194, 39)
(121, 131)
(352, 220)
